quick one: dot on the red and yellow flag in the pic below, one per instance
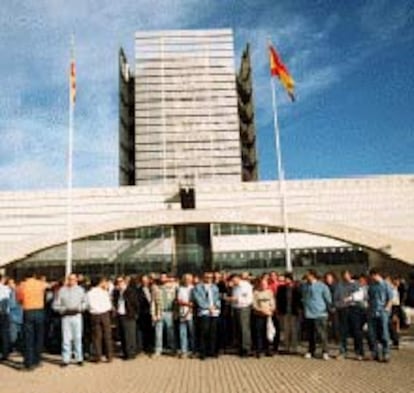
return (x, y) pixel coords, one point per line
(277, 68)
(72, 81)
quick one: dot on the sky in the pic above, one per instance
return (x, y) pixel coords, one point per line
(352, 61)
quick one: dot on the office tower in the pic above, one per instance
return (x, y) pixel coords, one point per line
(247, 120)
(126, 123)
(185, 109)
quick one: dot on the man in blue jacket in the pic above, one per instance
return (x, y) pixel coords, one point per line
(207, 298)
(317, 300)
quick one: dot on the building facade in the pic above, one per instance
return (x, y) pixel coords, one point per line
(186, 115)
(187, 145)
(333, 223)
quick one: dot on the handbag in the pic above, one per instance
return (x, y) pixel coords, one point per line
(270, 329)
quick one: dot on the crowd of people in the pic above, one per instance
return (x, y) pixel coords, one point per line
(202, 316)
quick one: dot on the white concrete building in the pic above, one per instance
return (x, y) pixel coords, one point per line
(134, 228)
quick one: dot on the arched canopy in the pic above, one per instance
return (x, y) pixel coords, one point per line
(398, 249)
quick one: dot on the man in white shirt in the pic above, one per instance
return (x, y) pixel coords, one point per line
(241, 301)
(99, 306)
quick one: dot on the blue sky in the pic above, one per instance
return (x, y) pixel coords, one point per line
(353, 63)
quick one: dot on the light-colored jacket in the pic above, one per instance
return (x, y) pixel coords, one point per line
(263, 302)
(203, 301)
(70, 299)
(162, 299)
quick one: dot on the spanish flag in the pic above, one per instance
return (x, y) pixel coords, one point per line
(277, 68)
(72, 80)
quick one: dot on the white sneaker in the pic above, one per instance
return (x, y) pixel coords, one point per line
(308, 355)
(325, 356)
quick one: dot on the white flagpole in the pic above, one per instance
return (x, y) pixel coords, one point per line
(282, 184)
(69, 223)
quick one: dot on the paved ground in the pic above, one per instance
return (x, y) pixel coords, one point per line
(227, 374)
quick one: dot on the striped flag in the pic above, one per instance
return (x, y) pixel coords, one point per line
(277, 68)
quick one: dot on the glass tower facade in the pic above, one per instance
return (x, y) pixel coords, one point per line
(186, 113)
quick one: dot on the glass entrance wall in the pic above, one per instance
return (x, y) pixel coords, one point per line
(130, 251)
(192, 248)
(322, 260)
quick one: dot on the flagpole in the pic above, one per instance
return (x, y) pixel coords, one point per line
(69, 223)
(281, 176)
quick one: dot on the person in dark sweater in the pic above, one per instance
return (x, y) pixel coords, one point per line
(126, 306)
(288, 306)
(145, 325)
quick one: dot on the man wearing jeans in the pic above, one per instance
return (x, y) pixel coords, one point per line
(70, 302)
(162, 304)
(379, 308)
(184, 300)
(31, 294)
(317, 300)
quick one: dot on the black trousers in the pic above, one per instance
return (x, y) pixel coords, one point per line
(5, 335)
(261, 342)
(208, 336)
(314, 328)
(87, 334)
(146, 329)
(33, 327)
(395, 315)
(350, 324)
(128, 333)
(221, 332)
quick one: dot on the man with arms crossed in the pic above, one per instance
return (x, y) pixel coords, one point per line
(70, 303)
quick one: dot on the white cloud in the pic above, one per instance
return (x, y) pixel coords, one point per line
(34, 46)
